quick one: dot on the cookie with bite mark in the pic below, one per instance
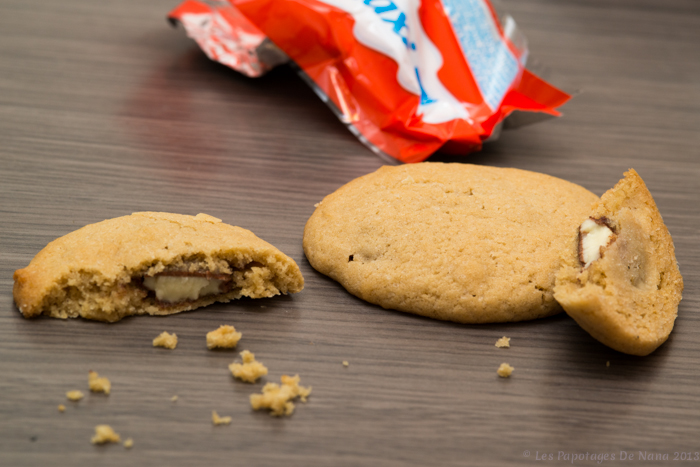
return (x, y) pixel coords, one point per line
(620, 279)
(151, 263)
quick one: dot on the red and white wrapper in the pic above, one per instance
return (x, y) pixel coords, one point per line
(408, 77)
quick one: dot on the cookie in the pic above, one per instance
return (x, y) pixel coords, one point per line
(151, 263)
(456, 242)
(620, 279)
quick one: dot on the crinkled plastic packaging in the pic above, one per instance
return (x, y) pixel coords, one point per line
(408, 77)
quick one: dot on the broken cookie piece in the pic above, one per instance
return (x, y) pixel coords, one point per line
(278, 398)
(620, 279)
(151, 263)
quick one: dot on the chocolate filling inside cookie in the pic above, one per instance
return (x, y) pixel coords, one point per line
(594, 236)
(177, 286)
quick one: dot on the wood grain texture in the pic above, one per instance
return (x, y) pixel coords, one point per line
(105, 110)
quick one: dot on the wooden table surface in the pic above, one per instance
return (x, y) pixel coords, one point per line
(106, 110)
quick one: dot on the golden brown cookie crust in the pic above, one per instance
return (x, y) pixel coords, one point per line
(95, 271)
(457, 242)
(628, 299)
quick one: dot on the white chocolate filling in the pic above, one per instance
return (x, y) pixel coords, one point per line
(594, 237)
(174, 289)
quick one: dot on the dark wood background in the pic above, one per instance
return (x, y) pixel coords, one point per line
(106, 110)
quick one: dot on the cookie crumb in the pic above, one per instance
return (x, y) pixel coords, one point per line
(105, 434)
(216, 420)
(98, 384)
(61, 408)
(278, 398)
(504, 370)
(225, 337)
(503, 342)
(128, 443)
(250, 370)
(165, 340)
(607, 364)
(346, 363)
(174, 399)
(74, 395)
(317, 205)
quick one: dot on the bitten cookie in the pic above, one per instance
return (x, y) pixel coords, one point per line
(620, 279)
(151, 263)
(457, 242)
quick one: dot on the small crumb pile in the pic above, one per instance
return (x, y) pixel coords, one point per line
(225, 337)
(61, 408)
(216, 420)
(105, 434)
(503, 342)
(129, 443)
(278, 398)
(98, 384)
(168, 341)
(504, 370)
(74, 395)
(250, 370)
(346, 363)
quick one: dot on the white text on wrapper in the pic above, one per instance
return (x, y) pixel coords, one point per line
(394, 28)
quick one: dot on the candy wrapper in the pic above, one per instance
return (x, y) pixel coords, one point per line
(408, 77)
